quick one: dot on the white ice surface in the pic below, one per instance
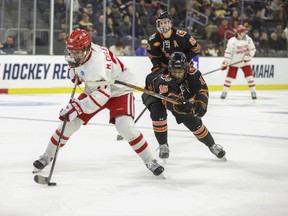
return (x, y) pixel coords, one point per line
(99, 176)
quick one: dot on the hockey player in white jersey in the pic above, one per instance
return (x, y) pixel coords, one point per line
(92, 63)
(239, 49)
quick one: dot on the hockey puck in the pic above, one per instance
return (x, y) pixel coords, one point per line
(52, 184)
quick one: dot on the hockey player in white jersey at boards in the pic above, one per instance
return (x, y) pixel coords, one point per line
(90, 63)
(240, 49)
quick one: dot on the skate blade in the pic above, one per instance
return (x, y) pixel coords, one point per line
(40, 179)
(162, 176)
(223, 158)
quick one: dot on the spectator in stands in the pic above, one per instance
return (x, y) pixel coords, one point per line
(210, 50)
(99, 25)
(116, 15)
(111, 30)
(264, 44)
(280, 15)
(142, 49)
(59, 8)
(60, 43)
(140, 30)
(141, 8)
(8, 46)
(128, 50)
(153, 10)
(273, 43)
(177, 19)
(234, 17)
(125, 28)
(256, 39)
(266, 12)
(117, 48)
(85, 23)
(90, 11)
(224, 31)
(211, 27)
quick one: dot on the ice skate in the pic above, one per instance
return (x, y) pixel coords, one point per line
(217, 150)
(155, 168)
(164, 152)
(223, 95)
(253, 95)
(41, 163)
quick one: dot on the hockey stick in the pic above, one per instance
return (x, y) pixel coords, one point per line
(47, 180)
(220, 68)
(119, 137)
(152, 93)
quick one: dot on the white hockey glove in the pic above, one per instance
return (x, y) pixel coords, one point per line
(71, 111)
(224, 65)
(247, 57)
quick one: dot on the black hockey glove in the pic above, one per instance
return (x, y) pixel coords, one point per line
(200, 108)
(185, 107)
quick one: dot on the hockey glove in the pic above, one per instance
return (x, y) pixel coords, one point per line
(200, 108)
(190, 67)
(185, 107)
(224, 66)
(71, 111)
(247, 57)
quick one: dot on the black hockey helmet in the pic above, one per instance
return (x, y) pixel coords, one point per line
(164, 17)
(177, 66)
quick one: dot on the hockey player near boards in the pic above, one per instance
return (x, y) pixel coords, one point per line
(160, 46)
(191, 90)
(90, 63)
(239, 48)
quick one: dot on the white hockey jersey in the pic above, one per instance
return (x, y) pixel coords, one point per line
(237, 49)
(103, 65)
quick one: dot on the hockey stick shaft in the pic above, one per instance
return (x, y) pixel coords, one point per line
(152, 93)
(220, 68)
(46, 180)
(62, 132)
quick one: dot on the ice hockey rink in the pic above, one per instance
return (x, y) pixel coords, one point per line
(97, 175)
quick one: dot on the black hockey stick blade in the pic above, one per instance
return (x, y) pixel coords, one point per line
(41, 179)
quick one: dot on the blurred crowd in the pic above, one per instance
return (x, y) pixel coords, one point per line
(211, 22)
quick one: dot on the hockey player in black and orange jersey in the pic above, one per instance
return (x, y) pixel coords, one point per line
(160, 46)
(191, 90)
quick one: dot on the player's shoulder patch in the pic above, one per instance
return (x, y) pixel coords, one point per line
(152, 37)
(181, 33)
(166, 77)
(192, 41)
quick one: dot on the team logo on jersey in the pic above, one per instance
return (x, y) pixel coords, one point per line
(152, 36)
(166, 44)
(175, 43)
(166, 77)
(163, 89)
(181, 33)
(192, 40)
(156, 44)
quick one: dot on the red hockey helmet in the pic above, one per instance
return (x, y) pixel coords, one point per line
(241, 29)
(241, 32)
(79, 39)
(78, 46)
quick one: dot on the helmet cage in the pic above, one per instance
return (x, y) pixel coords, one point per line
(177, 65)
(78, 46)
(164, 29)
